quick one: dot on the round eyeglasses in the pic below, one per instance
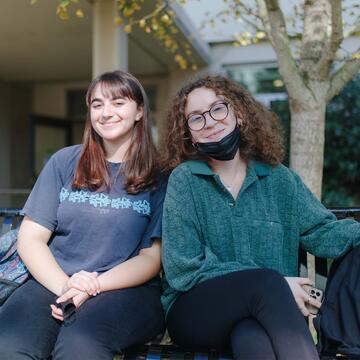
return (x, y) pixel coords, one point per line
(218, 112)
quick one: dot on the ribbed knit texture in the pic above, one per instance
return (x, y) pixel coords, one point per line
(206, 233)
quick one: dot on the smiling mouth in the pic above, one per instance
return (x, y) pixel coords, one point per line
(215, 134)
(108, 123)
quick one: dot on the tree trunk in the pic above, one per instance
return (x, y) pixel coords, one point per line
(307, 143)
(308, 139)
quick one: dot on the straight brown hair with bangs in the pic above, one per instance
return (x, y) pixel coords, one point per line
(139, 169)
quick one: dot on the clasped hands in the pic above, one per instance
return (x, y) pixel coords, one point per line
(79, 288)
(300, 295)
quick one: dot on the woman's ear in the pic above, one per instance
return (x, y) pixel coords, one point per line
(240, 119)
(139, 114)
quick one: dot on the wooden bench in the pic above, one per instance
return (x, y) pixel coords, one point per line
(160, 349)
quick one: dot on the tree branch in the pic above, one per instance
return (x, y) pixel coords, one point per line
(336, 26)
(342, 76)
(274, 24)
(336, 37)
(249, 11)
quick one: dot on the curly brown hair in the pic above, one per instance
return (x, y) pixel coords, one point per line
(261, 132)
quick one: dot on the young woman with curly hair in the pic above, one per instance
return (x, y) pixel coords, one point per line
(234, 218)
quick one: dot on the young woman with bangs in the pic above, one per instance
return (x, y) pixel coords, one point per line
(234, 218)
(91, 236)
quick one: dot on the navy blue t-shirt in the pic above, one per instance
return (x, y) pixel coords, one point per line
(92, 230)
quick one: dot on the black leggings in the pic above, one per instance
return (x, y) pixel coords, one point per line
(253, 311)
(104, 325)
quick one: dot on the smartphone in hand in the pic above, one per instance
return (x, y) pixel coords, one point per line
(316, 294)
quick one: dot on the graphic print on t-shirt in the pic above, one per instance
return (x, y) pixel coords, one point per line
(103, 200)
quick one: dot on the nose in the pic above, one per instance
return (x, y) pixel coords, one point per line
(107, 110)
(209, 121)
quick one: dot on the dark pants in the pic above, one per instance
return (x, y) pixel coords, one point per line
(253, 311)
(104, 324)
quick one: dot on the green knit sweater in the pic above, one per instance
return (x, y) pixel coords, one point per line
(206, 233)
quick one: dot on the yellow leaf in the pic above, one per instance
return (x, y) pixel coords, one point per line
(142, 23)
(127, 28)
(128, 12)
(148, 29)
(79, 13)
(194, 67)
(62, 13)
(260, 35)
(32, 2)
(356, 56)
(278, 83)
(119, 21)
(121, 3)
(174, 30)
(179, 59)
(166, 19)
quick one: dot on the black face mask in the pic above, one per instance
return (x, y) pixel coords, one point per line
(225, 149)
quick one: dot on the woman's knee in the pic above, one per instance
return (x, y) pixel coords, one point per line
(249, 340)
(18, 348)
(81, 345)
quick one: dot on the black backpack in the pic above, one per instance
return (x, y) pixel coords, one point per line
(338, 321)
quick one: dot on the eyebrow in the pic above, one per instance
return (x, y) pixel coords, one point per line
(94, 100)
(100, 100)
(200, 112)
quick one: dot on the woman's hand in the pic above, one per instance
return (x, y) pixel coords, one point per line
(84, 281)
(78, 298)
(301, 296)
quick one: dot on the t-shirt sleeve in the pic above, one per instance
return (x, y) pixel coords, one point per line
(43, 201)
(154, 228)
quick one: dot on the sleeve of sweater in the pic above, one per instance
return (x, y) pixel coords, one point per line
(186, 258)
(321, 233)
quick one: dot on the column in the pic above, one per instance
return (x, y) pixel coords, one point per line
(109, 41)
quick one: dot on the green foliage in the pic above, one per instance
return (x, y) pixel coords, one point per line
(342, 148)
(281, 108)
(341, 177)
